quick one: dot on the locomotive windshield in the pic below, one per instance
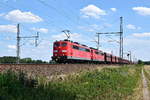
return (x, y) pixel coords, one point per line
(64, 44)
(75, 47)
(56, 45)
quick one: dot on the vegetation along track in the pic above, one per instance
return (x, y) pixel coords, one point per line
(105, 84)
(47, 70)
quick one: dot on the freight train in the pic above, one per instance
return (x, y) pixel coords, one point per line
(66, 51)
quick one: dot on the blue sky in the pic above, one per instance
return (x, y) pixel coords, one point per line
(82, 17)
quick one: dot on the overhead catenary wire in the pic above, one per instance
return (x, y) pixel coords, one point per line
(121, 37)
(49, 17)
(26, 28)
(62, 13)
(46, 22)
(54, 9)
(88, 23)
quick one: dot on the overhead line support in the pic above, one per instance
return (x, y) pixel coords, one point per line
(18, 42)
(121, 37)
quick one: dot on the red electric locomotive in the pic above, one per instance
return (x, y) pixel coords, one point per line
(68, 51)
(65, 51)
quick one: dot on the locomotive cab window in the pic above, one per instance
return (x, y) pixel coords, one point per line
(56, 45)
(96, 52)
(87, 50)
(99, 53)
(82, 49)
(75, 47)
(64, 44)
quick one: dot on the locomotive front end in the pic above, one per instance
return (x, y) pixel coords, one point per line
(60, 51)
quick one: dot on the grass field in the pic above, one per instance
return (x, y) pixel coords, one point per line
(106, 84)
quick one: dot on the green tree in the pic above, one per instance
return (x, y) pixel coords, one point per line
(140, 62)
(12, 60)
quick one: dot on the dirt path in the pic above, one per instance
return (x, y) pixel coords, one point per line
(146, 95)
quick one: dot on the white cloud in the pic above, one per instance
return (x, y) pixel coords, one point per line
(8, 28)
(12, 46)
(19, 16)
(42, 30)
(113, 9)
(132, 27)
(92, 11)
(142, 10)
(147, 34)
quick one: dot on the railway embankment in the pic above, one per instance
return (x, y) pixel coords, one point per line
(49, 70)
(115, 83)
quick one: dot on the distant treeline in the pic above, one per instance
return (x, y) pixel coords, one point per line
(12, 60)
(147, 62)
(144, 62)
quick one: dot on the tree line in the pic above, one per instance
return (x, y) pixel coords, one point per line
(144, 62)
(12, 60)
(147, 62)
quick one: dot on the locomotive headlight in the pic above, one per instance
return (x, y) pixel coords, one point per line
(55, 50)
(64, 50)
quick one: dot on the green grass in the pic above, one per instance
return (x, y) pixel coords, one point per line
(107, 84)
